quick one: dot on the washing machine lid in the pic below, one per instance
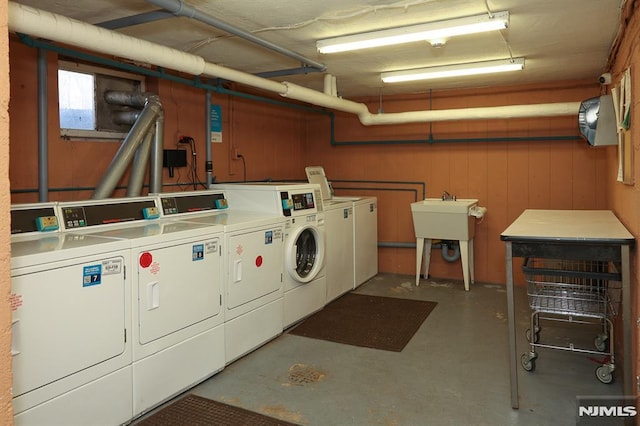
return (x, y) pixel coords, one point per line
(315, 174)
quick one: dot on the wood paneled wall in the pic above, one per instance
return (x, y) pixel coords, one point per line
(278, 142)
(269, 138)
(507, 177)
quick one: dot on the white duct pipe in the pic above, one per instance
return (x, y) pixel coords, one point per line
(482, 113)
(59, 28)
(40, 23)
(327, 84)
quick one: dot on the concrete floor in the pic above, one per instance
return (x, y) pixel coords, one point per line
(454, 371)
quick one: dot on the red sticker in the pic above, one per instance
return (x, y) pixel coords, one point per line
(146, 259)
(259, 261)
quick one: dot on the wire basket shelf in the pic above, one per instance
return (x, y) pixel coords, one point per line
(573, 288)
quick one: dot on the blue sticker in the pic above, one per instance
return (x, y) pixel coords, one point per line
(197, 252)
(268, 237)
(91, 275)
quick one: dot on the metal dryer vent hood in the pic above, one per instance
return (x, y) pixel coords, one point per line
(597, 121)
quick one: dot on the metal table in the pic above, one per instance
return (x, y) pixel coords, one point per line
(571, 235)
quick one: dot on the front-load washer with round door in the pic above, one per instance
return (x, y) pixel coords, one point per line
(305, 283)
(176, 275)
(253, 259)
(71, 323)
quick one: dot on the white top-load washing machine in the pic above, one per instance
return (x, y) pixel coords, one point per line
(305, 283)
(71, 323)
(176, 277)
(253, 256)
(365, 226)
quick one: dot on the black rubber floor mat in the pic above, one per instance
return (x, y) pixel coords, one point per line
(194, 410)
(386, 323)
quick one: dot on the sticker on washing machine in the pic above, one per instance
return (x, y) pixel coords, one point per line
(15, 301)
(197, 252)
(111, 266)
(268, 237)
(277, 234)
(91, 275)
(211, 246)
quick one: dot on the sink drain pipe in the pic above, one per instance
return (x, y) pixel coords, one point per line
(450, 250)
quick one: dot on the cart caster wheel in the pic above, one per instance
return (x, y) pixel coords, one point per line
(604, 374)
(528, 362)
(536, 336)
(600, 342)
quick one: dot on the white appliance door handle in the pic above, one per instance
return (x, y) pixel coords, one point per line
(153, 295)
(237, 271)
(15, 337)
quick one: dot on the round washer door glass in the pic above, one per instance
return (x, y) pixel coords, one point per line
(306, 252)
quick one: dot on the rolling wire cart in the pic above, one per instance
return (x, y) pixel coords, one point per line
(581, 292)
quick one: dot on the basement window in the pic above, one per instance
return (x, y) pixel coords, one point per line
(84, 114)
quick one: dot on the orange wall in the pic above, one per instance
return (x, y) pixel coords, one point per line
(277, 143)
(506, 177)
(268, 137)
(624, 200)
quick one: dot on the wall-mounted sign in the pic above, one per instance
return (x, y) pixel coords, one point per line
(215, 118)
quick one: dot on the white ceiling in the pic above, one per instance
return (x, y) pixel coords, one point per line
(560, 39)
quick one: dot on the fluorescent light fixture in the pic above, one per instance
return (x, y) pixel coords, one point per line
(440, 30)
(458, 70)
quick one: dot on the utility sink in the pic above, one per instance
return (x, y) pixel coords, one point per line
(434, 218)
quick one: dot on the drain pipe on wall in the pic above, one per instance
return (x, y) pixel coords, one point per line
(43, 128)
(207, 139)
(40, 23)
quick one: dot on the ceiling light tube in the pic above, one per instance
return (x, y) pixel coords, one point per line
(430, 31)
(458, 70)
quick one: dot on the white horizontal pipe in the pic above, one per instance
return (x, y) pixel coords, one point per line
(39, 23)
(320, 99)
(482, 113)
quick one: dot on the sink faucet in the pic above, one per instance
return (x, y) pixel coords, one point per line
(447, 197)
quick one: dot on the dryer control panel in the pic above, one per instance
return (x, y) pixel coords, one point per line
(192, 202)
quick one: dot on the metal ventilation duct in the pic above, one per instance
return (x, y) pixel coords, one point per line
(597, 122)
(137, 146)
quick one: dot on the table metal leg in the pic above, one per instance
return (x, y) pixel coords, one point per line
(511, 319)
(627, 381)
(419, 249)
